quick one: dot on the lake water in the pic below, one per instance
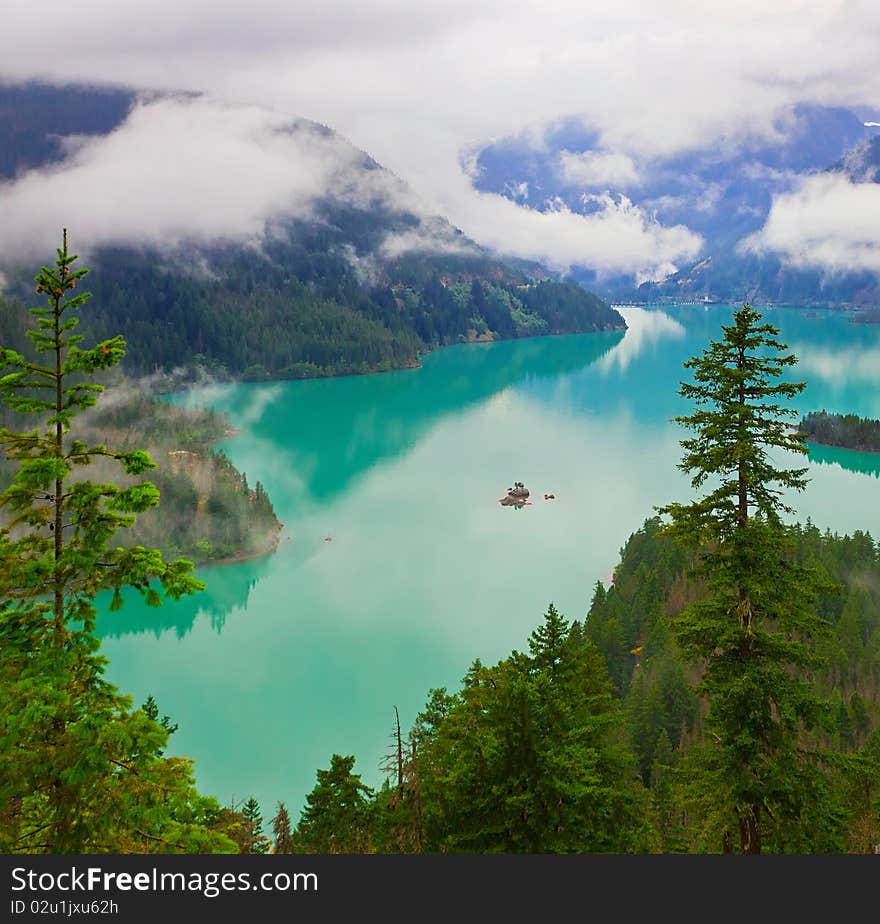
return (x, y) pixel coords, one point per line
(399, 567)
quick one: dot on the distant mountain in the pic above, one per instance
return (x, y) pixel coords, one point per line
(723, 192)
(359, 278)
(862, 164)
(38, 121)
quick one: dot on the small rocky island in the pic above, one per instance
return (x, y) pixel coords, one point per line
(517, 496)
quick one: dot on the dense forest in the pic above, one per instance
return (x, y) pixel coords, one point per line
(296, 308)
(209, 512)
(848, 431)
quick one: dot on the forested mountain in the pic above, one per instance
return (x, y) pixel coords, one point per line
(357, 280)
(723, 192)
(39, 122)
(629, 623)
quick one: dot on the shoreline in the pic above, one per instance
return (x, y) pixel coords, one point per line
(407, 365)
(228, 435)
(867, 452)
(275, 539)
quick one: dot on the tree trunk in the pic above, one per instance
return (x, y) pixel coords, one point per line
(750, 830)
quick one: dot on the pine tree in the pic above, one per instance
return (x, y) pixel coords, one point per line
(334, 819)
(527, 759)
(753, 633)
(81, 772)
(258, 842)
(281, 829)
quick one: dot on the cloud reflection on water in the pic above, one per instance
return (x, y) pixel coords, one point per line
(644, 329)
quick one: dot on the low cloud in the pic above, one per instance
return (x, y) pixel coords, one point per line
(432, 235)
(191, 170)
(187, 170)
(618, 237)
(598, 168)
(827, 222)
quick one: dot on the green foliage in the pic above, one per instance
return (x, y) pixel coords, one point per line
(297, 307)
(822, 810)
(281, 829)
(209, 511)
(253, 817)
(335, 819)
(82, 772)
(756, 626)
(527, 757)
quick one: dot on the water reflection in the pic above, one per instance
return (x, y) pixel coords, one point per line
(643, 329)
(426, 571)
(363, 420)
(847, 365)
(863, 463)
(229, 588)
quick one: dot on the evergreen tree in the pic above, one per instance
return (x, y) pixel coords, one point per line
(753, 632)
(81, 771)
(335, 817)
(527, 759)
(281, 829)
(258, 842)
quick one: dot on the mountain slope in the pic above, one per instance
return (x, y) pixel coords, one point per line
(259, 245)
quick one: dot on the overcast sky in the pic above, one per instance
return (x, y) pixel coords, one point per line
(418, 83)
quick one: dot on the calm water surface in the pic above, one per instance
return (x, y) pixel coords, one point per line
(283, 661)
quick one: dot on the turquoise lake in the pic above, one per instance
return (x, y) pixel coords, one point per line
(398, 567)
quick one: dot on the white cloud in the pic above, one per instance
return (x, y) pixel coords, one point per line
(186, 169)
(425, 238)
(619, 237)
(193, 169)
(598, 168)
(828, 222)
(417, 84)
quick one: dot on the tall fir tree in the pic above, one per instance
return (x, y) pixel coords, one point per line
(335, 818)
(282, 832)
(754, 631)
(81, 771)
(253, 816)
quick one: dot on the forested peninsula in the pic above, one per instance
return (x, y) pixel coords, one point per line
(846, 431)
(209, 514)
(296, 308)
